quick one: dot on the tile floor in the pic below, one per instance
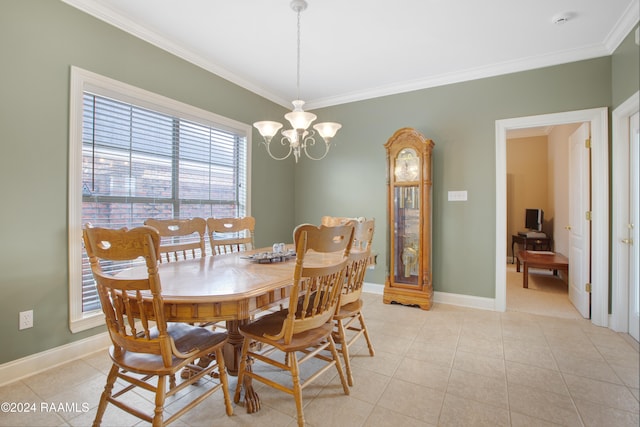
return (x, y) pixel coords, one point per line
(449, 366)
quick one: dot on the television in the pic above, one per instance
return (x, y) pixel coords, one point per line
(533, 219)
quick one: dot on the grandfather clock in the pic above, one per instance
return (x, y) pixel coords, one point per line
(408, 279)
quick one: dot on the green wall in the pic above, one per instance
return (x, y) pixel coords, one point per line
(460, 119)
(40, 40)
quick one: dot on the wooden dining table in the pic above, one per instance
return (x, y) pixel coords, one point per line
(230, 287)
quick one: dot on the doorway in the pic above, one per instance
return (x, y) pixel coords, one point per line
(546, 168)
(625, 224)
(598, 122)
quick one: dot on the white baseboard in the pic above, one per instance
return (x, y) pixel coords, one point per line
(373, 288)
(480, 303)
(44, 361)
(470, 301)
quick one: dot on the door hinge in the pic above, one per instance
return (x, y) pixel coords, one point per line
(587, 215)
(587, 143)
(587, 287)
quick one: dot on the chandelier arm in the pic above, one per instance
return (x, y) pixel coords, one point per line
(310, 140)
(267, 144)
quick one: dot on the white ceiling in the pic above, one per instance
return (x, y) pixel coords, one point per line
(360, 49)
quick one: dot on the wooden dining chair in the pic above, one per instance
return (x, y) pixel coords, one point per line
(363, 236)
(322, 255)
(231, 234)
(350, 308)
(180, 238)
(144, 346)
(332, 221)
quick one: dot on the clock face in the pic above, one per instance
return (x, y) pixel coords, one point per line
(407, 165)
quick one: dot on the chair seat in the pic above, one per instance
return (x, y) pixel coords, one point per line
(271, 324)
(186, 337)
(348, 310)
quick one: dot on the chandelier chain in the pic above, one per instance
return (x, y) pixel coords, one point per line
(298, 60)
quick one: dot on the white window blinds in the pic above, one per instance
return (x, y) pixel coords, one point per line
(138, 163)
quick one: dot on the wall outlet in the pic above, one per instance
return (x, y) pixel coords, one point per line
(26, 319)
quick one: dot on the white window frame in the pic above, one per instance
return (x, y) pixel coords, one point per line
(81, 81)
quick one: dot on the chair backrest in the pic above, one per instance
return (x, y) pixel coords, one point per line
(180, 238)
(231, 234)
(332, 221)
(125, 312)
(363, 234)
(356, 270)
(364, 229)
(322, 255)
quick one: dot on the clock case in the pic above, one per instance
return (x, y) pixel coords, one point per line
(409, 194)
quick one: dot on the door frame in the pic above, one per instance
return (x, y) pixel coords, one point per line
(620, 208)
(598, 119)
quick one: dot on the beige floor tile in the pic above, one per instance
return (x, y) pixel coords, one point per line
(536, 377)
(521, 420)
(383, 417)
(480, 388)
(423, 373)
(446, 366)
(415, 401)
(544, 405)
(598, 370)
(484, 346)
(346, 411)
(601, 392)
(457, 411)
(595, 415)
(435, 352)
(478, 364)
(520, 351)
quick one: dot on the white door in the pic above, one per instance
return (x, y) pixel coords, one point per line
(579, 226)
(634, 226)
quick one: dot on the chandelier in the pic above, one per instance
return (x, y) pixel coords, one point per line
(298, 138)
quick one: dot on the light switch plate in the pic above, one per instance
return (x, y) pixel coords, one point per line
(457, 196)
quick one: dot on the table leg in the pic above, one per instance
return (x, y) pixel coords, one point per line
(233, 348)
(232, 354)
(518, 265)
(525, 275)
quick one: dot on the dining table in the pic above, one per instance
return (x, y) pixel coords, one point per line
(230, 287)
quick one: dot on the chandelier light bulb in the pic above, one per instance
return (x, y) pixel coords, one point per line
(327, 130)
(267, 129)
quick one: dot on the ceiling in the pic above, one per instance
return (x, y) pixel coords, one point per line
(360, 49)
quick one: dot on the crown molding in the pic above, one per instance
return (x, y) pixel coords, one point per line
(613, 40)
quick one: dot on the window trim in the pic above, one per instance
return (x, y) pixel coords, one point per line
(81, 81)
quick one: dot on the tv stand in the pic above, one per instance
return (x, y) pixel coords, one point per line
(532, 234)
(533, 243)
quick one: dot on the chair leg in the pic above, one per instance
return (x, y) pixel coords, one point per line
(241, 369)
(160, 396)
(106, 394)
(344, 349)
(336, 358)
(366, 334)
(224, 380)
(297, 388)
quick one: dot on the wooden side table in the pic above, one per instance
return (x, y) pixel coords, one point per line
(535, 259)
(533, 243)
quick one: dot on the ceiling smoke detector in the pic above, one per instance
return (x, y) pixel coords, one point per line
(562, 18)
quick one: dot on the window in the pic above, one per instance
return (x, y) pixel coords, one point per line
(135, 155)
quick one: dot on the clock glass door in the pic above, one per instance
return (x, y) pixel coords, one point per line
(407, 235)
